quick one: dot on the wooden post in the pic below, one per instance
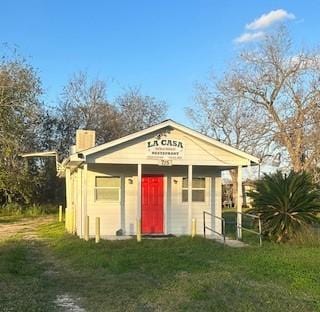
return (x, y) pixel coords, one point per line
(138, 225)
(190, 198)
(194, 227)
(239, 202)
(86, 228)
(67, 219)
(68, 197)
(84, 194)
(138, 230)
(70, 220)
(216, 222)
(73, 216)
(60, 213)
(139, 188)
(97, 229)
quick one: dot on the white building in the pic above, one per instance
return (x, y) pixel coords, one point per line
(165, 176)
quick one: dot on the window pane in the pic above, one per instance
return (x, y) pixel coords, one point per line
(198, 182)
(107, 194)
(108, 181)
(198, 196)
(184, 182)
(184, 195)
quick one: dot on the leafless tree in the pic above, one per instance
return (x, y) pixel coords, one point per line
(84, 105)
(283, 84)
(275, 91)
(140, 111)
(231, 122)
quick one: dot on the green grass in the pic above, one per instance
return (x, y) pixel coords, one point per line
(178, 274)
(309, 236)
(23, 284)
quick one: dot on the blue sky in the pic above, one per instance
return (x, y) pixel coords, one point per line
(161, 46)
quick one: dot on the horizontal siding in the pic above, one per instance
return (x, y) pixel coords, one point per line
(109, 212)
(117, 215)
(130, 205)
(178, 213)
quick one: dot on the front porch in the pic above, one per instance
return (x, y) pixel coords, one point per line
(118, 194)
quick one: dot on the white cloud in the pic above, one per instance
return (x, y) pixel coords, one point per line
(247, 37)
(265, 20)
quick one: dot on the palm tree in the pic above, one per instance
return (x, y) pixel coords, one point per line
(285, 203)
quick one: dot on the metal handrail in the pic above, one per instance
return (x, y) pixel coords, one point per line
(223, 223)
(240, 227)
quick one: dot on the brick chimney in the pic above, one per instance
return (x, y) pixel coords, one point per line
(85, 139)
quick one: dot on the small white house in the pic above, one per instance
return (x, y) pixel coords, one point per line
(163, 176)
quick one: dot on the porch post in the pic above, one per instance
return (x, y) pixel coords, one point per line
(68, 198)
(84, 198)
(139, 195)
(68, 189)
(189, 198)
(239, 201)
(217, 204)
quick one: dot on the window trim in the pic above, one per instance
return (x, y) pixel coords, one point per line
(106, 187)
(194, 189)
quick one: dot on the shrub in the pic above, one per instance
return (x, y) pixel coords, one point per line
(15, 209)
(285, 204)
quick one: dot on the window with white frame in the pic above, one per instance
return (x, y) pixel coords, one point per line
(107, 189)
(198, 189)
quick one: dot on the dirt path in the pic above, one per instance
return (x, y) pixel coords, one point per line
(26, 229)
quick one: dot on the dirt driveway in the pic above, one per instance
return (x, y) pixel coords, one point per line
(26, 227)
(39, 256)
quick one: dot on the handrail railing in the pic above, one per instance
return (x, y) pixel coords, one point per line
(240, 227)
(223, 226)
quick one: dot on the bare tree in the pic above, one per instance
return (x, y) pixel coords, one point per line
(271, 94)
(283, 84)
(231, 122)
(140, 111)
(84, 105)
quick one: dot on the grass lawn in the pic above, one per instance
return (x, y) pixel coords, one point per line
(178, 274)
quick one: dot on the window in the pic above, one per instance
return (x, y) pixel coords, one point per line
(107, 189)
(198, 189)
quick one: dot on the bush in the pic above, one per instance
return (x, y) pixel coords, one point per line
(14, 209)
(286, 204)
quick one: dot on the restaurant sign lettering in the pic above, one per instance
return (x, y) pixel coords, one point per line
(165, 148)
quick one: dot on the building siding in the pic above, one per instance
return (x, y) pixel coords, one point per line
(196, 152)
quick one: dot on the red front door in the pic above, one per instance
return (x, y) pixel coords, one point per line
(152, 204)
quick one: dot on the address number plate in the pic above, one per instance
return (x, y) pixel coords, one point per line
(165, 162)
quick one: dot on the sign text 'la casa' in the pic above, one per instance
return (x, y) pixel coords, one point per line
(165, 148)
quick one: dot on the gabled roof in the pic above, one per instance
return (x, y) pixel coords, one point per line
(174, 125)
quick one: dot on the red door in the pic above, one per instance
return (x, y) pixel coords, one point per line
(152, 204)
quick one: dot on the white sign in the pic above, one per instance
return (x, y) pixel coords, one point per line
(165, 148)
